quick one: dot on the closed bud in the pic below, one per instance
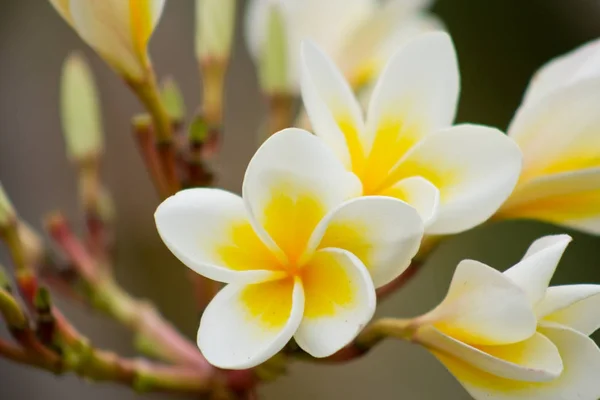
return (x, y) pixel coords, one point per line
(80, 108)
(215, 20)
(7, 212)
(173, 99)
(273, 60)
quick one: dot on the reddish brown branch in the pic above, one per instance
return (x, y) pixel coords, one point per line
(395, 285)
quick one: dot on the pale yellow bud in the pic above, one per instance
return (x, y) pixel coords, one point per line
(118, 30)
(80, 109)
(215, 20)
(7, 212)
(273, 60)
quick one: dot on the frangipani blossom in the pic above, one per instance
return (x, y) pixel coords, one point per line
(455, 176)
(508, 336)
(300, 253)
(558, 129)
(364, 35)
(118, 30)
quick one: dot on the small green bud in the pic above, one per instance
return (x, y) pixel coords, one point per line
(172, 99)
(215, 21)
(198, 130)
(273, 61)
(80, 108)
(7, 212)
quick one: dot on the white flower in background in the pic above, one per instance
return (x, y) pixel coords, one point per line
(359, 34)
(117, 30)
(508, 336)
(455, 176)
(558, 130)
(296, 252)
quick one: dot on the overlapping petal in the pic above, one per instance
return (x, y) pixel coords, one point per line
(581, 360)
(244, 325)
(340, 300)
(534, 272)
(474, 167)
(535, 359)
(384, 233)
(483, 307)
(577, 65)
(575, 306)
(209, 230)
(333, 110)
(118, 30)
(423, 195)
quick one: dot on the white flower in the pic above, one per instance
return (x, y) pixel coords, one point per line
(359, 34)
(558, 129)
(296, 252)
(117, 30)
(456, 176)
(509, 336)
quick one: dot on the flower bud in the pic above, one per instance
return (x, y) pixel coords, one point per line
(173, 99)
(7, 212)
(81, 119)
(273, 60)
(215, 20)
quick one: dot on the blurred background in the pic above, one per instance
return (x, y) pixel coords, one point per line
(499, 42)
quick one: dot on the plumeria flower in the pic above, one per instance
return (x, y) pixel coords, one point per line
(300, 253)
(557, 128)
(456, 176)
(368, 28)
(118, 30)
(508, 336)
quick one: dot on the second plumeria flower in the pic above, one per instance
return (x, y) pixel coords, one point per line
(117, 30)
(456, 176)
(300, 253)
(508, 336)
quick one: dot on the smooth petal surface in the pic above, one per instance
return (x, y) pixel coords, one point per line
(579, 380)
(118, 30)
(340, 300)
(210, 232)
(570, 198)
(483, 307)
(534, 272)
(245, 325)
(559, 133)
(334, 112)
(535, 359)
(474, 167)
(419, 193)
(291, 183)
(575, 306)
(579, 64)
(384, 233)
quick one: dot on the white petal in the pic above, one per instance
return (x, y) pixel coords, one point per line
(569, 198)
(535, 359)
(340, 300)
(244, 326)
(575, 306)
(534, 272)
(209, 231)
(483, 307)
(579, 380)
(118, 30)
(419, 87)
(419, 193)
(578, 64)
(334, 112)
(474, 167)
(559, 133)
(291, 183)
(384, 233)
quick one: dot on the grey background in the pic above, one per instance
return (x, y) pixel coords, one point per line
(499, 42)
